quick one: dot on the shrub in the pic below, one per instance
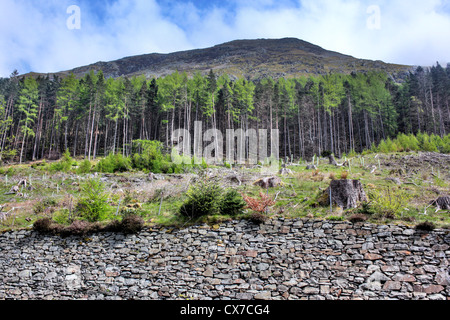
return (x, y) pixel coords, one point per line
(65, 164)
(85, 167)
(113, 163)
(8, 154)
(388, 203)
(366, 208)
(62, 216)
(232, 203)
(259, 205)
(203, 200)
(407, 142)
(93, 204)
(426, 142)
(148, 155)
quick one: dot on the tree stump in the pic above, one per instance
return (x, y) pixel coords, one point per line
(345, 193)
(271, 182)
(442, 203)
(234, 179)
(285, 171)
(332, 160)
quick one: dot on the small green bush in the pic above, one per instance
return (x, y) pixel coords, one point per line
(93, 204)
(203, 199)
(232, 203)
(8, 154)
(62, 217)
(64, 165)
(113, 163)
(207, 198)
(85, 167)
(388, 203)
(419, 142)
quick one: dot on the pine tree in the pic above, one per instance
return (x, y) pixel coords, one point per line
(27, 107)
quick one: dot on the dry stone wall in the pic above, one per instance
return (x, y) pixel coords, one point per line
(281, 259)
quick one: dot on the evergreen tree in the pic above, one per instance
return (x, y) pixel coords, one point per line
(27, 108)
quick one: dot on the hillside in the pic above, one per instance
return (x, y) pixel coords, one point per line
(252, 59)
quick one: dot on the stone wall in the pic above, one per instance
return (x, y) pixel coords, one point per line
(282, 259)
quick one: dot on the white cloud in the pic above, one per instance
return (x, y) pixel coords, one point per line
(35, 37)
(410, 32)
(43, 43)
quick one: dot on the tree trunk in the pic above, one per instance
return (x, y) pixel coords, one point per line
(38, 133)
(76, 138)
(95, 140)
(92, 131)
(86, 142)
(350, 125)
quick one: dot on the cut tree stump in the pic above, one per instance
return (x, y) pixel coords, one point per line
(271, 182)
(332, 160)
(285, 171)
(345, 193)
(442, 203)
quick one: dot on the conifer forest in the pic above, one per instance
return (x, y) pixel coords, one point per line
(93, 116)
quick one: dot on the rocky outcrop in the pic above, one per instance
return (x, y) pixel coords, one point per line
(280, 259)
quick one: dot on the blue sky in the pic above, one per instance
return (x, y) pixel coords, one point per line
(35, 36)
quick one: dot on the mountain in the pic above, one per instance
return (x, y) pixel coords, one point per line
(253, 59)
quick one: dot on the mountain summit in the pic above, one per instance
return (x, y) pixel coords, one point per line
(253, 59)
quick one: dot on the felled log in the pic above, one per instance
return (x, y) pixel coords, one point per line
(345, 193)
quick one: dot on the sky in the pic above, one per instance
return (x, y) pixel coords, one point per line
(56, 35)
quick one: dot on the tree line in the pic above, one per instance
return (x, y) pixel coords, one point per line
(94, 116)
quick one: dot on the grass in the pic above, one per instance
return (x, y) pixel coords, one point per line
(50, 193)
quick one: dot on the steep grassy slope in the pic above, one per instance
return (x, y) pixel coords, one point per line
(399, 187)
